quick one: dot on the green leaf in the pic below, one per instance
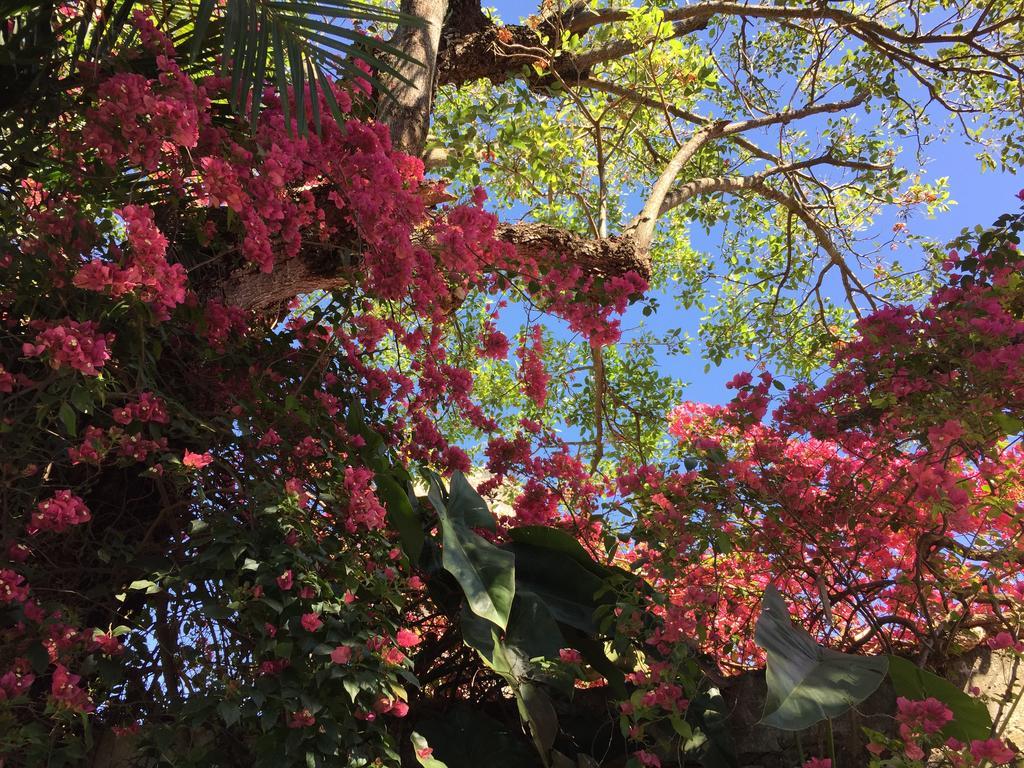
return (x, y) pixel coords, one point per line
(467, 506)
(477, 633)
(149, 586)
(401, 516)
(532, 628)
(229, 711)
(559, 541)
(806, 682)
(567, 589)
(464, 737)
(298, 40)
(594, 654)
(485, 573)
(68, 418)
(713, 739)
(971, 719)
(536, 709)
(419, 745)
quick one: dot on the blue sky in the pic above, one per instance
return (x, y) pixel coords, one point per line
(980, 198)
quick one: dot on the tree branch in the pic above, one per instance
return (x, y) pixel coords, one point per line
(315, 270)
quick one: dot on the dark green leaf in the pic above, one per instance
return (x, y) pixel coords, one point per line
(559, 541)
(536, 709)
(971, 719)
(532, 629)
(68, 418)
(466, 738)
(567, 589)
(465, 505)
(229, 711)
(401, 516)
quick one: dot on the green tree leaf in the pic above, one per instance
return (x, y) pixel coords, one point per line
(567, 589)
(559, 541)
(424, 758)
(401, 515)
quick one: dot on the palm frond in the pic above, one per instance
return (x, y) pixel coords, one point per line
(295, 44)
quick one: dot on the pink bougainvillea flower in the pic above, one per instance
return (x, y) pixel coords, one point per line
(58, 513)
(286, 580)
(66, 691)
(992, 749)
(301, 719)
(407, 639)
(196, 460)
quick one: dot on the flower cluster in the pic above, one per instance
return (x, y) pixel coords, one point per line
(146, 270)
(59, 513)
(72, 344)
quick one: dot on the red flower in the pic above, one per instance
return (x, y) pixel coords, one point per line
(59, 513)
(992, 749)
(301, 719)
(66, 691)
(407, 639)
(196, 460)
(311, 622)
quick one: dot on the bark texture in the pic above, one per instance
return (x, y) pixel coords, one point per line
(406, 109)
(319, 269)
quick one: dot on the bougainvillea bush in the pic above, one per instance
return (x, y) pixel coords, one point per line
(234, 533)
(196, 540)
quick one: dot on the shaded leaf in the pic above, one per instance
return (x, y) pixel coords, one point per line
(708, 712)
(466, 505)
(806, 682)
(467, 738)
(567, 589)
(424, 757)
(401, 515)
(536, 709)
(532, 628)
(559, 541)
(485, 572)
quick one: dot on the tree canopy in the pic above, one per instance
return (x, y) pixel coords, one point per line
(321, 442)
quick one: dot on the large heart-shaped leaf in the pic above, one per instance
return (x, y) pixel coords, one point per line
(559, 541)
(806, 682)
(971, 719)
(486, 573)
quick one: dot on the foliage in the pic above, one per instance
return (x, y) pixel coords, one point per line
(240, 509)
(808, 683)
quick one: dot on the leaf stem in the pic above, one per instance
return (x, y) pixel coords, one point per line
(831, 742)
